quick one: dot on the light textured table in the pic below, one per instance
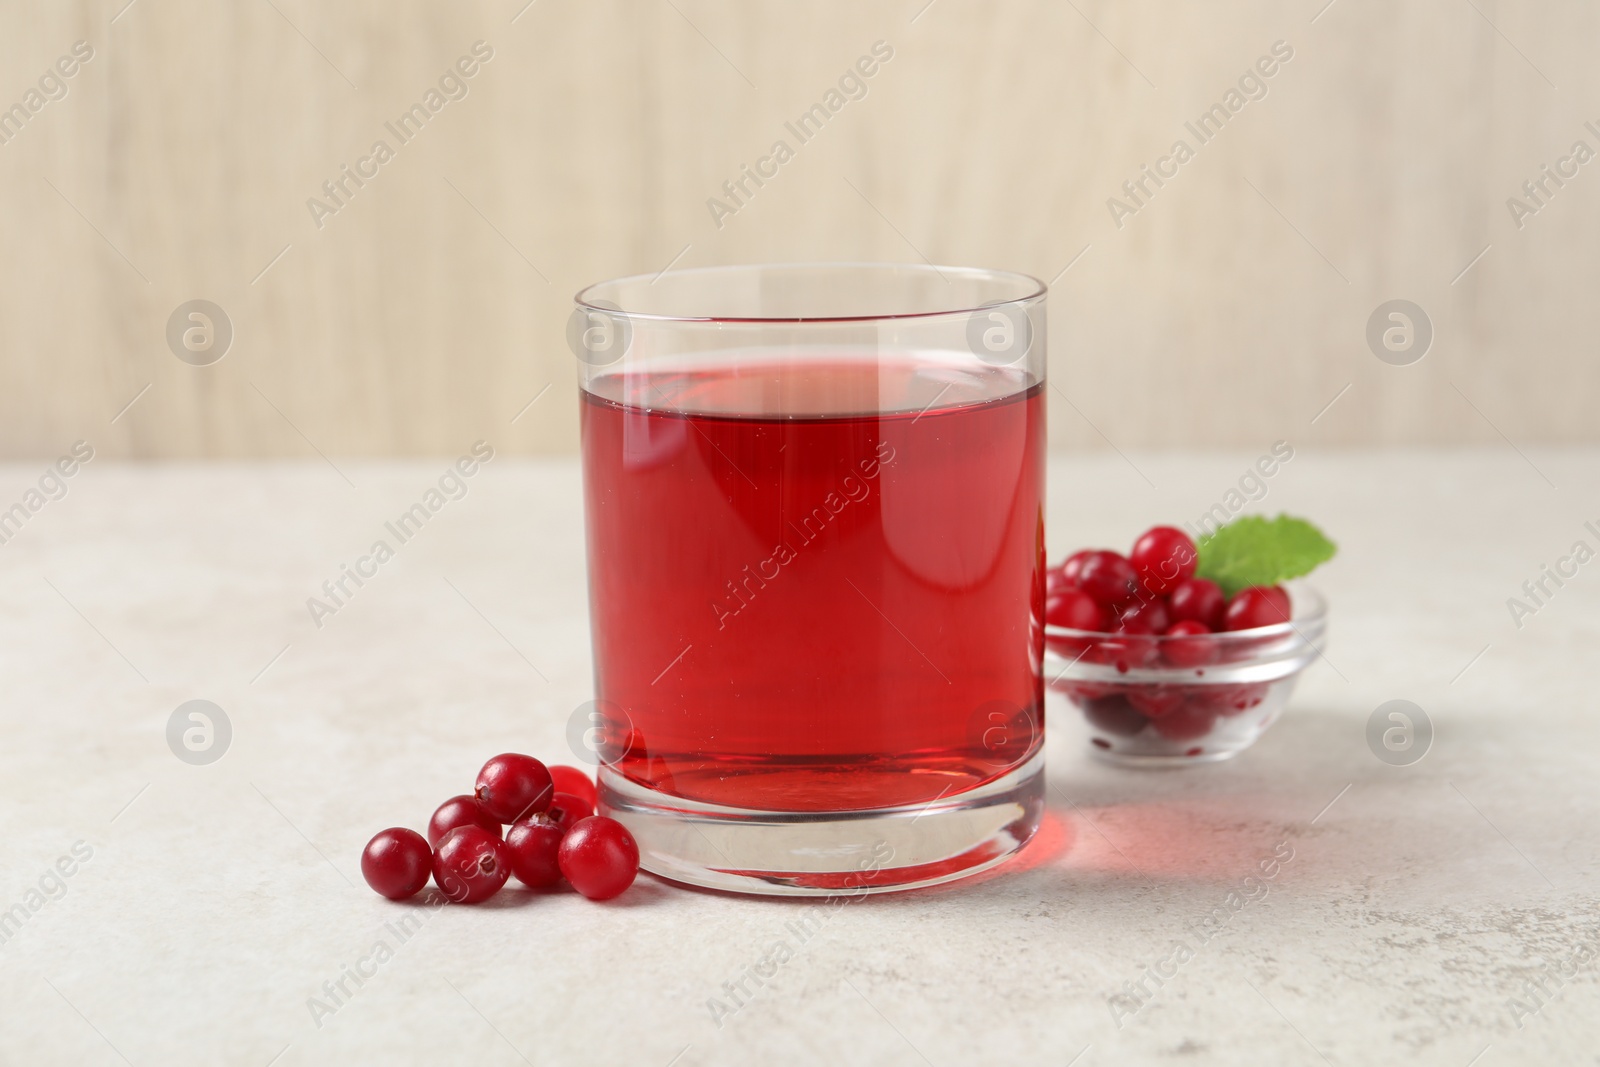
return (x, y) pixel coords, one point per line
(1419, 904)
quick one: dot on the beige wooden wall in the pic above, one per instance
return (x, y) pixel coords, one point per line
(1230, 309)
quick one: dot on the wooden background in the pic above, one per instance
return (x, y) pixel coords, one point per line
(428, 312)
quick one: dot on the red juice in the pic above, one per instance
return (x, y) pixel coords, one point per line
(814, 585)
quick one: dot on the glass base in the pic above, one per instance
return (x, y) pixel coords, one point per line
(786, 853)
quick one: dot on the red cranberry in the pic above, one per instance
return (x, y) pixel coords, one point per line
(1055, 583)
(471, 864)
(1156, 701)
(1084, 693)
(1186, 724)
(577, 783)
(1256, 606)
(459, 811)
(512, 786)
(532, 846)
(1198, 600)
(397, 862)
(1144, 617)
(1163, 556)
(1075, 610)
(599, 857)
(1190, 647)
(1108, 578)
(1073, 565)
(1114, 715)
(1125, 652)
(1234, 699)
(565, 810)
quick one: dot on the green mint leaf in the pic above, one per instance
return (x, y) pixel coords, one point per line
(1253, 550)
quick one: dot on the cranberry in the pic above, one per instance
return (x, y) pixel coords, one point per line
(1256, 606)
(1114, 715)
(1073, 565)
(1163, 556)
(1198, 600)
(1055, 583)
(565, 810)
(1189, 646)
(532, 846)
(599, 857)
(1083, 693)
(1144, 617)
(577, 783)
(1187, 723)
(397, 862)
(1156, 701)
(1126, 652)
(1234, 699)
(512, 786)
(1075, 610)
(460, 811)
(471, 864)
(1108, 578)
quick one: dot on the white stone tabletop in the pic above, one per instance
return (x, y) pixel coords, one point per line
(155, 911)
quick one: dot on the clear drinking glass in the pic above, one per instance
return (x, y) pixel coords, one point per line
(814, 502)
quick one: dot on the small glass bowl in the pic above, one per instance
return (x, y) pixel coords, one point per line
(1168, 701)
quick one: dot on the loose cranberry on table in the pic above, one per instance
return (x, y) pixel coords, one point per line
(1163, 556)
(470, 864)
(599, 857)
(397, 863)
(460, 811)
(1197, 600)
(1109, 578)
(576, 782)
(1075, 610)
(512, 786)
(1194, 649)
(533, 845)
(565, 810)
(1255, 607)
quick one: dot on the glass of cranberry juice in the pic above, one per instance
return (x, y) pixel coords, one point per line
(814, 503)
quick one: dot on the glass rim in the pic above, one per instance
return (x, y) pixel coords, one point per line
(1031, 289)
(1316, 615)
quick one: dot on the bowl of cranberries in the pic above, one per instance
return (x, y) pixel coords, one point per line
(1169, 666)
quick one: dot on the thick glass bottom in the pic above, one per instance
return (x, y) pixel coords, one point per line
(879, 850)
